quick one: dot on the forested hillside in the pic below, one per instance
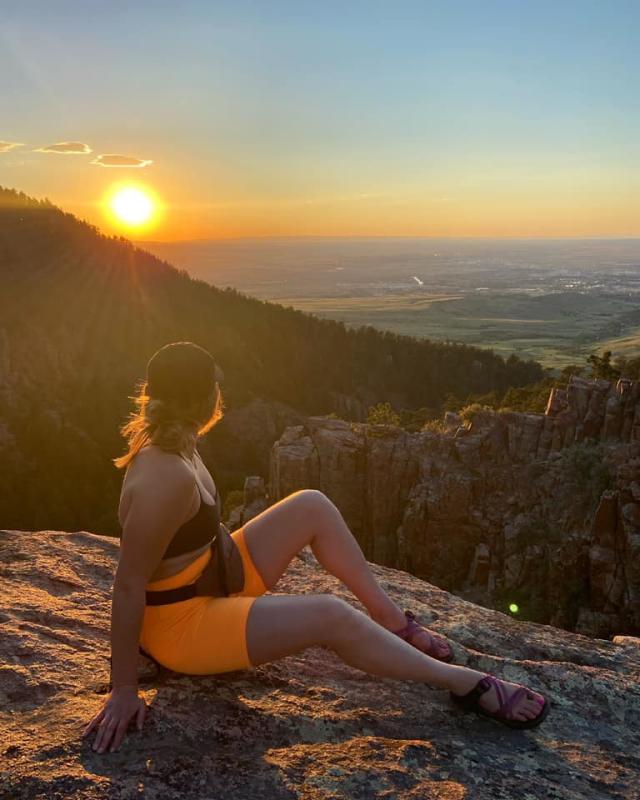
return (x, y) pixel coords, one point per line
(80, 315)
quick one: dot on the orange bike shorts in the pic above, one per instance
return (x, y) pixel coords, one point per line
(202, 635)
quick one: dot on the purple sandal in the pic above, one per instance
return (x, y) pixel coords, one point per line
(504, 714)
(412, 627)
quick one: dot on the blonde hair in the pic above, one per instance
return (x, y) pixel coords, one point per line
(174, 425)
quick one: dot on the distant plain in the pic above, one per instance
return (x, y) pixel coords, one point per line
(553, 300)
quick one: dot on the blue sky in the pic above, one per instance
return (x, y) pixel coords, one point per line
(278, 117)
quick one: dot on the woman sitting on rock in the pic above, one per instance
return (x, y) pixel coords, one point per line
(170, 511)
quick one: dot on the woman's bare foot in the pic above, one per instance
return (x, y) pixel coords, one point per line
(528, 707)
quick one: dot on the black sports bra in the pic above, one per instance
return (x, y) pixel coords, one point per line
(197, 531)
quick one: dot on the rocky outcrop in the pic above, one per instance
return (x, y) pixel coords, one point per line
(348, 406)
(307, 726)
(254, 501)
(537, 510)
(245, 435)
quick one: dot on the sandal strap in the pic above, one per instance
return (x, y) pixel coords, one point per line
(413, 627)
(506, 703)
(469, 700)
(408, 627)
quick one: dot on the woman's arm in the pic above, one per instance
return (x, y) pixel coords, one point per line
(160, 503)
(127, 609)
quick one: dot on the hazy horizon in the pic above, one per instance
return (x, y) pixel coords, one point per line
(553, 300)
(142, 242)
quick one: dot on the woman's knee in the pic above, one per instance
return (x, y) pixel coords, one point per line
(279, 625)
(327, 615)
(337, 608)
(338, 618)
(313, 500)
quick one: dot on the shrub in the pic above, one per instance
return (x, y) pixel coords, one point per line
(435, 426)
(469, 412)
(537, 531)
(382, 414)
(584, 468)
(451, 403)
(601, 366)
(415, 420)
(528, 398)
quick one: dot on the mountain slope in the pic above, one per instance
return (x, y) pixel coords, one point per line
(81, 313)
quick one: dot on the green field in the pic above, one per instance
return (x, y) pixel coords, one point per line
(556, 329)
(555, 301)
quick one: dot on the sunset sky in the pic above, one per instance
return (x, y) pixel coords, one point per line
(329, 118)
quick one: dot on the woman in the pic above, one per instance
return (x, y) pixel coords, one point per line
(169, 511)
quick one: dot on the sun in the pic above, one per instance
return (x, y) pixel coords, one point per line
(132, 206)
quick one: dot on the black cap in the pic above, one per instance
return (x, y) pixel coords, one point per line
(182, 371)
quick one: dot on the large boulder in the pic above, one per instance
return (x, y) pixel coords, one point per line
(308, 726)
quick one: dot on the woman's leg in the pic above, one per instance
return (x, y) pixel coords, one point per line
(281, 625)
(308, 516)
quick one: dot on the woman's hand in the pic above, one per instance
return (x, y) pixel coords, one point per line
(112, 721)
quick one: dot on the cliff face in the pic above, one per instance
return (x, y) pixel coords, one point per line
(540, 510)
(307, 726)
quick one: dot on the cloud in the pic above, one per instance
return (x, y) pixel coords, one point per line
(114, 160)
(6, 146)
(73, 148)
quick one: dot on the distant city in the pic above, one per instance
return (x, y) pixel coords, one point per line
(553, 300)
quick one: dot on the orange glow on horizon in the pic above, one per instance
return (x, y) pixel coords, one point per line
(462, 211)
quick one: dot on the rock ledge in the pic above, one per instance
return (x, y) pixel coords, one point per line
(307, 726)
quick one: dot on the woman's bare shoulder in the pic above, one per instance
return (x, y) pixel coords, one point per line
(149, 472)
(152, 459)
